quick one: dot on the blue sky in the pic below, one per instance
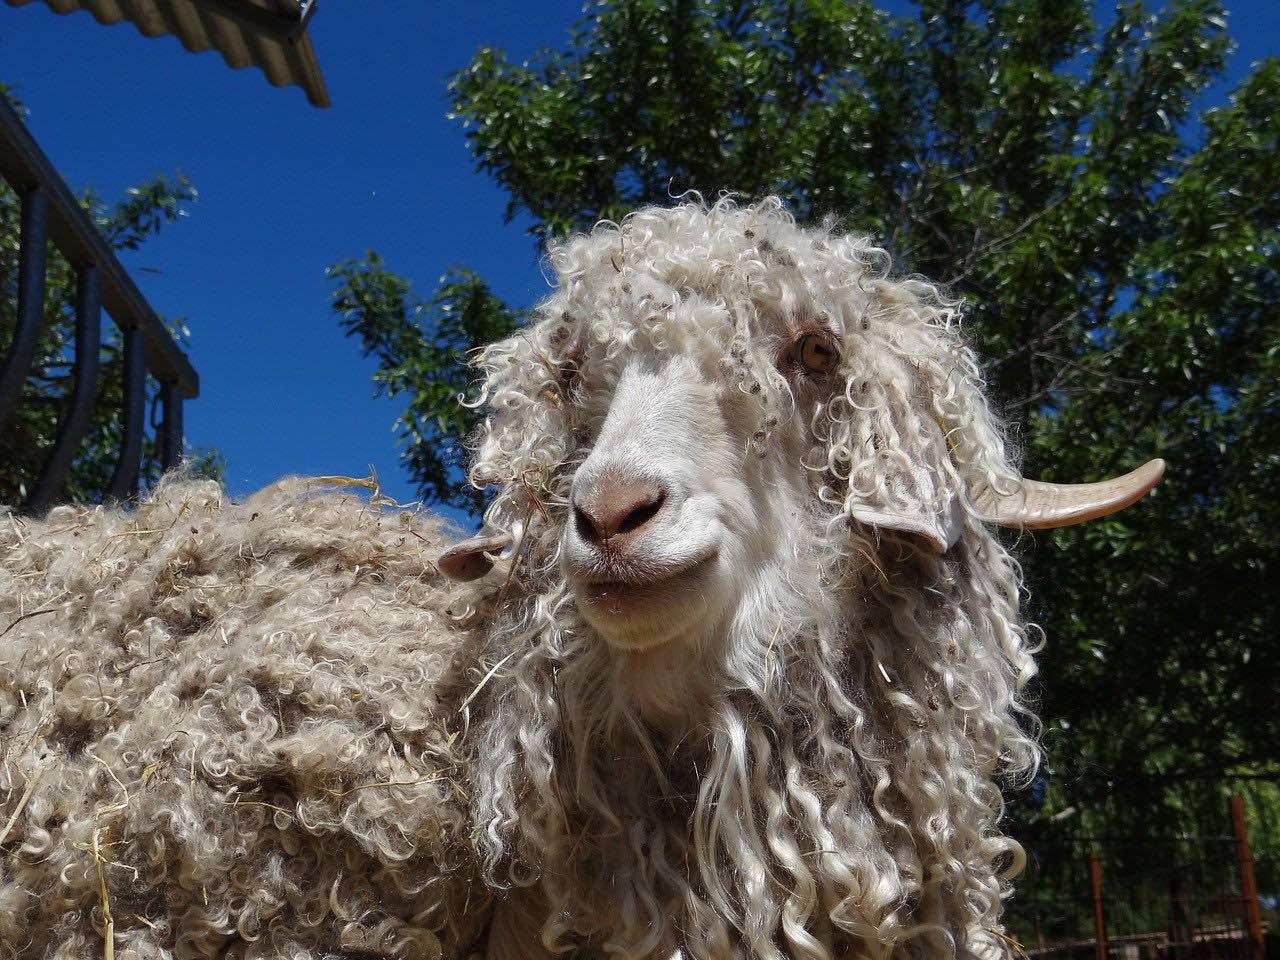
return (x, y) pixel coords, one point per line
(286, 189)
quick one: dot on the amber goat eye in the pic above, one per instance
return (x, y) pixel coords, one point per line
(817, 353)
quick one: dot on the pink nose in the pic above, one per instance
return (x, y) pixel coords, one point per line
(615, 507)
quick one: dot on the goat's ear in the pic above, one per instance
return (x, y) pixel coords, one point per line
(909, 483)
(472, 559)
(912, 501)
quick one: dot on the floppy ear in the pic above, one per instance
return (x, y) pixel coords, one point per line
(472, 559)
(887, 443)
(909, 489)
(939, 526)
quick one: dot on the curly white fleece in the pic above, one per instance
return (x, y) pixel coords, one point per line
(237, 725)
(234, 726)
(835, 789)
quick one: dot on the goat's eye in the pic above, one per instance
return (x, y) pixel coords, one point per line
(817, 353)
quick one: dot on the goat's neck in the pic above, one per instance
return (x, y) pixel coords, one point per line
(665, 685)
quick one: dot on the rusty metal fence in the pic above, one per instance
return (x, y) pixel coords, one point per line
(1147, 898)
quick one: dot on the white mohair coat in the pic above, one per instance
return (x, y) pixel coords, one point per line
(795, 748)
(222, 729)
(774, 726)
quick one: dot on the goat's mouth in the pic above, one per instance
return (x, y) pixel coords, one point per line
(613, 596)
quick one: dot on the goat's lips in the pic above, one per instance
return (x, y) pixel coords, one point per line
(622, 595)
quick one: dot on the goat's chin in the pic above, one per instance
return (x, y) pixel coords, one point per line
(637, 637)
(634, 617)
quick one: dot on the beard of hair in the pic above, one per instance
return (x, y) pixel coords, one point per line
(830, 792)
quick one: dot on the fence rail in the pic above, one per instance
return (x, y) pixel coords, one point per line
(50, 213)
(1148, 898)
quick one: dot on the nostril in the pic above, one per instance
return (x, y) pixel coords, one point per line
(642, 514)
(586, 529)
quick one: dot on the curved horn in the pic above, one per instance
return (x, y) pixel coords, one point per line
(1041, 506)
(470, 559)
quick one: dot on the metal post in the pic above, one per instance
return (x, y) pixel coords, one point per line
(124, 482)
(1099, 926)
(1248, 885)
(1180, 925)
(32, 246)
(170, 425)
(79, 410)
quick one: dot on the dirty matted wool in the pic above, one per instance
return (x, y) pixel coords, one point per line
(225, 732)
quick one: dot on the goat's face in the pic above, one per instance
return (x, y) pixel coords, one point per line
(758, 469)
(702, 420)
(692, 494)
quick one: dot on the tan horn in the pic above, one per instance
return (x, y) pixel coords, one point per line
(1041, 506)
(471, 559)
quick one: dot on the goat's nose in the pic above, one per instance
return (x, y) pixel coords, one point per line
(615, 505)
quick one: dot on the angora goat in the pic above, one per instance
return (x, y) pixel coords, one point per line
(736, 675)
(231, 731)
(757, 661)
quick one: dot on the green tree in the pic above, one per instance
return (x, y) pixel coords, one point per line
(24, 444)
(1119, 256)
(421, 349)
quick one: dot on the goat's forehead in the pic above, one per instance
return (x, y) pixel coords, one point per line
(687, 310)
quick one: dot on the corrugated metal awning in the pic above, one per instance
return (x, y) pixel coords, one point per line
(270, 34)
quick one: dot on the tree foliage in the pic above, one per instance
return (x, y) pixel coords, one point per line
(1118, 255)
(421, 349)
(28, 436)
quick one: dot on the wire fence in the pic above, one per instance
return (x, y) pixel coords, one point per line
(1147, 898)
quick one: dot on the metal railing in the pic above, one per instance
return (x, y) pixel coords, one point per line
(51, 213)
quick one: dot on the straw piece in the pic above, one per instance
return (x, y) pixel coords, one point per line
(109, 925)
(22, 801)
